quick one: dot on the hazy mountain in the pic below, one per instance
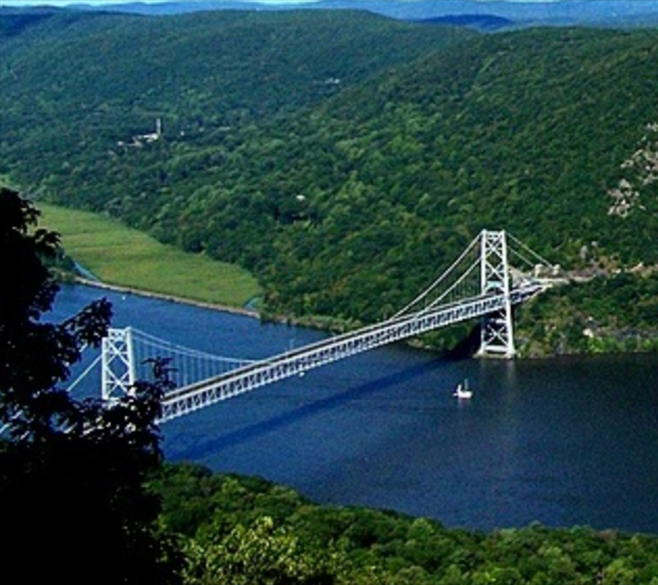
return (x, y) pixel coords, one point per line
(482, 22)
(556, 12)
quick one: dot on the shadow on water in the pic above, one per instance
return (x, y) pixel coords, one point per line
(309, 410)
(466, 347)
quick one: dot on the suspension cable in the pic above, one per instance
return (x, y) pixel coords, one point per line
(438, 281)
(87, 370)
(157, 343)
(529, 250)
(461, 279)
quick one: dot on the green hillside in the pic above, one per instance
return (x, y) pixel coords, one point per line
(347, 159)
(75, 85)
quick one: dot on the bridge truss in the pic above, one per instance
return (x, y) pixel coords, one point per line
(481, 283)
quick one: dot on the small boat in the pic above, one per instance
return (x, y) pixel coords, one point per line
(462, 390)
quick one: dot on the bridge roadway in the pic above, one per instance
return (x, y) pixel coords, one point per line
(186, 399)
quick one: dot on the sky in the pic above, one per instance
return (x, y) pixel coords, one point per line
(97, 2)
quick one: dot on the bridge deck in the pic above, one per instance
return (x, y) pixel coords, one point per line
(201, 394)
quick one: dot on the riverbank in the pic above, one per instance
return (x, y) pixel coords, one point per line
(574, 320)
(134, 261)
(167, 297)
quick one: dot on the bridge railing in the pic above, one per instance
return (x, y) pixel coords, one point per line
(189, 398)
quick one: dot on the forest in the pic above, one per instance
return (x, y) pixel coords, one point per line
(224, 521)
(345, 158)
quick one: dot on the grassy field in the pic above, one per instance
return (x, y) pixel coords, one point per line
(121, 256)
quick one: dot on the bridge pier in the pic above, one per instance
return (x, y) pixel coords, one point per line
(496, 329)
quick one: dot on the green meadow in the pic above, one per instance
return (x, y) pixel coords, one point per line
(122, 256)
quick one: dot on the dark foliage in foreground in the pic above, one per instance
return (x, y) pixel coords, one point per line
(222, 517)
(72, 499)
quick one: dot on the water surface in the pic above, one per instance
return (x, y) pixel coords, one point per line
(560, 441)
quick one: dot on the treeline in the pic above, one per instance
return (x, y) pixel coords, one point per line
(344, 158)
(246, 530)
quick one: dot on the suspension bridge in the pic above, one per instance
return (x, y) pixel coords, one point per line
(492, 275)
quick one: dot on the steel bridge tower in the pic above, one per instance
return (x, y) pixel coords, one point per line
(118, 363)
(497, 334)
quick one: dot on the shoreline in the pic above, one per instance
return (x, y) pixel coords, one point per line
(326, 324)
(167, 297)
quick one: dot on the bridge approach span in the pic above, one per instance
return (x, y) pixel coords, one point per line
(189, 398)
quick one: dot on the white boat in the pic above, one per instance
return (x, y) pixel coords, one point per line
(462, 390)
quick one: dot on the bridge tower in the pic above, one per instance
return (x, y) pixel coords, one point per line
(497, 334)
(118, 364)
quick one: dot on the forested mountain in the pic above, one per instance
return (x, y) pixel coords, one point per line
(76, 84)
(252, 63)
(346, 158)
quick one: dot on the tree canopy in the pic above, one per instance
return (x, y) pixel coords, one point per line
(72, 473)
(247, 530)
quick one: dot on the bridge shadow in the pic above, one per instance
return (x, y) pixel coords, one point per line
(466, 347)
(280, 421)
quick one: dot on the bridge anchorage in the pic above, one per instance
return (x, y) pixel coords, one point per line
(481, 283)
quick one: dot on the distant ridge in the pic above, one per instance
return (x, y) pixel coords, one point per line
(634, 13)
(478, 21)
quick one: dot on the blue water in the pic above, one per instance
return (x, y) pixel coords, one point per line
(563, 442)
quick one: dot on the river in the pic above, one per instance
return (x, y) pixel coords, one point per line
(563, 442)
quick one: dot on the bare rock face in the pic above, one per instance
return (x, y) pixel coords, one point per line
(642, 169)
